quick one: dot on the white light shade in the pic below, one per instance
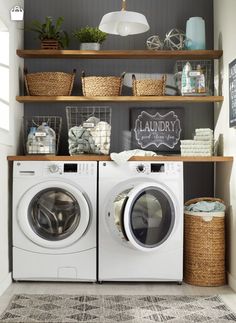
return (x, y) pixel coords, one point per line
(124, 23)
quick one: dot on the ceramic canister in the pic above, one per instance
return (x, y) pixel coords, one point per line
(195, 33)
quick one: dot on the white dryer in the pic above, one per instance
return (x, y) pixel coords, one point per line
(54, 220)
(140, 221)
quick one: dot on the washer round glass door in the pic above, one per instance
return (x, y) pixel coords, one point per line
(53, 214)
(147, 216)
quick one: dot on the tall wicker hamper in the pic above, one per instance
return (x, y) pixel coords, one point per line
(204, 247)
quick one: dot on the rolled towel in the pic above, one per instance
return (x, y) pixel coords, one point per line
(80, 141)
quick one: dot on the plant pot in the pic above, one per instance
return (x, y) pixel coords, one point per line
(50, 44)
(89, 46)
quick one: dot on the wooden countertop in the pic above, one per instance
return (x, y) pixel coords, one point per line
(190, 159)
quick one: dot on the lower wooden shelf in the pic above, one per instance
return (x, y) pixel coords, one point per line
(190, 159)
(183, 99)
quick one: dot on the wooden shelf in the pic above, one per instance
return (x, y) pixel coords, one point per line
(183, 99)
(121, 54)
(193, 159)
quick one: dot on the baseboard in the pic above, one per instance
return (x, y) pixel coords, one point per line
(231, 281)
(5, 284)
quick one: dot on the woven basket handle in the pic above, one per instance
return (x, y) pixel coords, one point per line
(122, 81)
(207, 199)
(134, 84)
(26, 82)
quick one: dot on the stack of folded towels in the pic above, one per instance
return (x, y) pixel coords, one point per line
(201, 145)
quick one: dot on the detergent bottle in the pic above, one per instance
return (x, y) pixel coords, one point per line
(31, 144)
(46, 139)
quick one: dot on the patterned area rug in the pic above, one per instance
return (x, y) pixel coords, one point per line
(104, 309)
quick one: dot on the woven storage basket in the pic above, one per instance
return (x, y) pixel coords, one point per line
(149, 87)
(204, 246)
(102, 85)
(49, 83)
(50, 44)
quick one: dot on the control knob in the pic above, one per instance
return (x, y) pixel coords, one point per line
(53, 168)
(141, 168)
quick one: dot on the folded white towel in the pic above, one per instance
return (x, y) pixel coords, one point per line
(203, 138)
(187, 142)
(124, 156)
(196, 143)
(196, 154)
(207, 151)
(203, 130)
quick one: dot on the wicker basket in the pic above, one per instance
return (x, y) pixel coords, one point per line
(102, 85)
(49, 83)
(204, 246)
(149, 87)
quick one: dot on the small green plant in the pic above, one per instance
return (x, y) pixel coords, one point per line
(49, 30)
(89, 35)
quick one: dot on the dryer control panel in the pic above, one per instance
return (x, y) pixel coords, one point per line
(158, 167)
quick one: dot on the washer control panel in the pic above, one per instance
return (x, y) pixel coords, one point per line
(70, 169)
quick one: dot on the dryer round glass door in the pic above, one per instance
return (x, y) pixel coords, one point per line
(147, 215)
(53, 215)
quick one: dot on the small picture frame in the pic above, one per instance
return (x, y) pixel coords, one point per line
(157, 129)
(232, 93)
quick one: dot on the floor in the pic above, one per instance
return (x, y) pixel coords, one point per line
(227, 294)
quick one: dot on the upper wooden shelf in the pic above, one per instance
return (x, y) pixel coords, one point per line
(183, 99)
(191, 159)
(121, 54)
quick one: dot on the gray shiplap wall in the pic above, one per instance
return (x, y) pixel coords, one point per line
(162, 16)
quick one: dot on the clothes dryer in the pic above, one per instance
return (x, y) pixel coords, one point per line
(54, 220)
(140, 221)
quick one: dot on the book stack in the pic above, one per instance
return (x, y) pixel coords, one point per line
(201, 145)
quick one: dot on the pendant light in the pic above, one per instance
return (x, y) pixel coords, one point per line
(124, 22)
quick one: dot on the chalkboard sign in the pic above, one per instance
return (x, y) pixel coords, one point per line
(157, 129)
(232, 94)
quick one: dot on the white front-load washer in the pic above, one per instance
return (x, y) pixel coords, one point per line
(140, 221)
(54, 220)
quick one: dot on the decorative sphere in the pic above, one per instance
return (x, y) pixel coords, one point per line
(175, 39)
(155, 43)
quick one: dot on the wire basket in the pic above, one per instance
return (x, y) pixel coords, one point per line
(102, 85)
(204, 246)
(89, 130)
(149, 87)
(207, 68)
(41, 144)
(49, 83)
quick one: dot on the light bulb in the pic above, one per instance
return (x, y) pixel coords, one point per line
(123, 29)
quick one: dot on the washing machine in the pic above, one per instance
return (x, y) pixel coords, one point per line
(54, 220)
(140, 221)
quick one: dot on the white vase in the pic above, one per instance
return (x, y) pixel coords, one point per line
(195, 33)
(89, 46)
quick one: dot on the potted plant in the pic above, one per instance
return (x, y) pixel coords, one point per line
(90, 37)
(50, 34)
